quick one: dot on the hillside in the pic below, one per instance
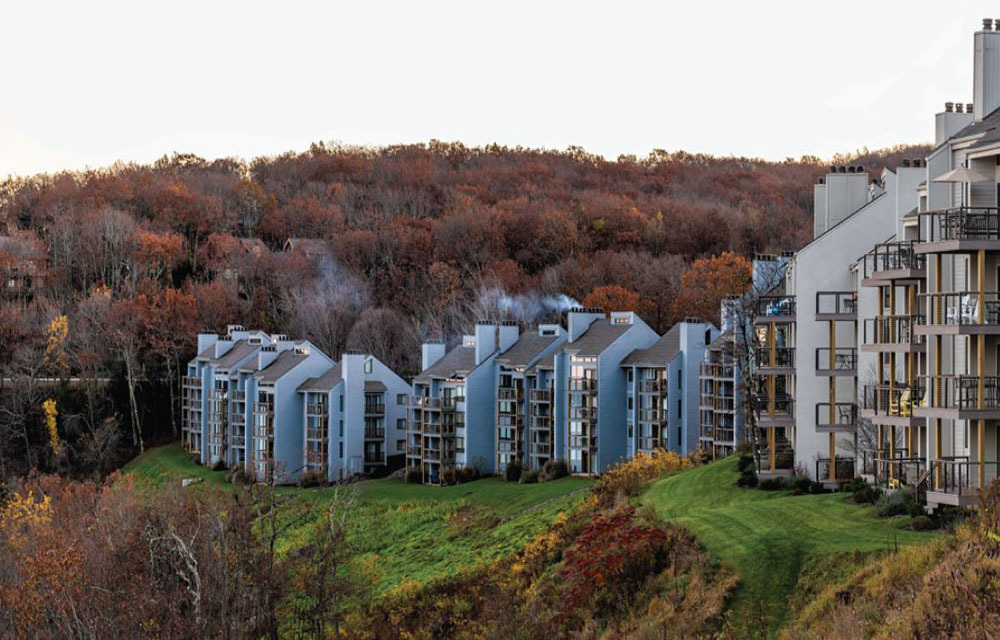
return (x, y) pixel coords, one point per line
(776, 543)
(414, 534)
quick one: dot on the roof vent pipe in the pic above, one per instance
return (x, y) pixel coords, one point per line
(959, 107)
(968, 107)
(906, 162)
(949, 107)
(987, 24)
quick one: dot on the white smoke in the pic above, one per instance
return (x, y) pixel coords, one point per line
(495, 304)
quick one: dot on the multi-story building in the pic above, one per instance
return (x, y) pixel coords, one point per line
(354, 417)
(662, 393)
(720, 399)
(523, 413)
(590, 387)
(452, 411)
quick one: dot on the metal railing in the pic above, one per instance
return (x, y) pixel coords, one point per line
(843, 468)
(508, 393)
(961, 477)
(582, 442)
(375, 408)
(784, 405)
(960, 223)
(893, 256)
(845, 414)
(784, 357)
(582, 413)
(961, 308)
(843, 303)
(775, 307)
(896, 329)
(962, 392)
(541, 395)
(541, 448)
(893, 400)
(582, 384)
(374, 433)
(656, 385)
(839, 359)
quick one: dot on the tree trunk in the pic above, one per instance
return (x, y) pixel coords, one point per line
(130, 379)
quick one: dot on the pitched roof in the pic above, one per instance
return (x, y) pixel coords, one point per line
(548, 362)
(661, 353)
(456, 363)
(373, 386)
(599, 336)
(987, 126)
(241, 350)
(528, 347)
(725, 338)
(326, 382)
(285, 362)
(207, 354)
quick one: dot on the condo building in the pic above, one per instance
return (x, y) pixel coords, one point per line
(720, 408)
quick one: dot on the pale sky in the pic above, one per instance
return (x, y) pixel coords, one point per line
(88, 83)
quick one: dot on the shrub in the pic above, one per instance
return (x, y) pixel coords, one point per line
(196, 459)
(745, 463)
(314, 478)
(866, 495)
(413, 476)
(529, 476)
(921, 523)
(798, 483)
(554, 469)
(771, 484)
(899, 503)
(852, 485)
(816, 488)
(237, 475)
(513, 471)
(220, 465)
(747, 480)
(463, 475)
(949, 516)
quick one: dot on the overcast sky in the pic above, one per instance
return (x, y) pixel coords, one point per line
(88, 83)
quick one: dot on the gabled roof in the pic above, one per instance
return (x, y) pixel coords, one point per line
(528, 347)
(285, 362)
(725, 339)
(374, 386)
(457, 363)
(548, 363)
(241, 350)
(207, 354)
(599, 336)
(660, 354)
(987, 126)
(324, 383)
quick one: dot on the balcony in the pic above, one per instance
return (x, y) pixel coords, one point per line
(588, 385)
(956, 481)
(724, 403)
(780, 361)
(316, 434)
(374, 433)
(423, 403)
(374, 457)
(316, 459)
(507, 446)
(774, 309)
(582, 442)
(836, 305)
(884, 334)
(837, 362)
(780, 413)
(840, 417)
(541, 395)
(413, 451)
(652, 415)
(656, 385)
(959, 229)
(893, 404)
(960, 313)
(375, 408)
(843, 469)
(509, 393)
(583, 413)
(510, 420)
(541, 448)
(959, 397)
(892, 261)
(316, 410)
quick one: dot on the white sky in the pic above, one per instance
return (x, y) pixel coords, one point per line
(88, 83)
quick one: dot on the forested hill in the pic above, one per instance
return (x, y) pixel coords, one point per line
(408, 242)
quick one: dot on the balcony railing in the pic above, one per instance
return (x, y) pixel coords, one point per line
(316, 409)
(541, 448)
(961, 308)
(375, 408)
(839, 359)
(316, 434)
(893, 256)
(894, 401)
(509, 420)
(783, 357)
(836, 303)
(844, 468)
(649, 443)
(892, 330)
(541, 395)
(716, 370)
(723, 403)
(652, 386)
(582, 413)
(775, 307)
(508, 393)
(652, 415)
(374, 433)
(582, 384)
(962, 392)
(582, 442)
(961, 477)
(960, 223)
(845, 414)
(784, 406)
(421, 402)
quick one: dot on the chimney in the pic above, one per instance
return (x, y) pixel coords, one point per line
(223, 345)
(206, 340)
(950, 121)
(985, 71)
(486, 340)
(508, 334)
(578, 320)
(845, 191)
(430, 353)
(266, 356)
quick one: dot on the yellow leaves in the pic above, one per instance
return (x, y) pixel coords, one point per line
(55, 354)
(22, 513)
(51, 413)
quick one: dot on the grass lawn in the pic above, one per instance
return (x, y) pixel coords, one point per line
(771, 538)
(409, 533)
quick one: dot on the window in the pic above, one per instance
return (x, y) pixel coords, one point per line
(630, 403)
(459, 445)
(630, 429)
(400, 398)
(401, 424)
(342, 430)
(630, 375)
(368, 365)
(678, 380)
(341, 396)
(341, 447)
(679, 409)
(400, 445)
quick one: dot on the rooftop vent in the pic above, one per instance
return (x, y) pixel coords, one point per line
(509, 323)
(269, 347)
(906, 162)
(949, 107)
(352, 352)
(968, 107)
(822, 180)
(959, 107)
(987, 24)
(691, 320)
(841, 169)
(787, 253)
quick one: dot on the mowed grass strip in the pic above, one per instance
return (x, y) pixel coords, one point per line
(768, 538)
(408, 533)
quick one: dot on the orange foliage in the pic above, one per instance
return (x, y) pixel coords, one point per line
(708, 281)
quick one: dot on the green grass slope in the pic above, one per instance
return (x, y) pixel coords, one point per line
(768, 538)
(407, 533)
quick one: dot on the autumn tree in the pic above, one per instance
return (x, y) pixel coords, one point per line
(708, 281)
